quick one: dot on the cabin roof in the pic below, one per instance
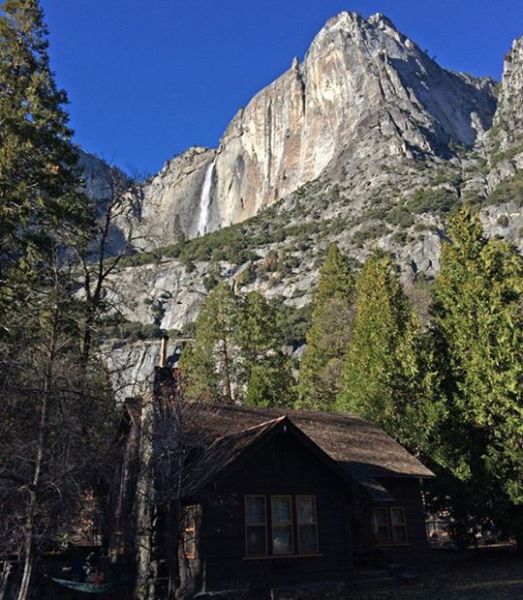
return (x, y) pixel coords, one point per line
(361, 448)
(232, 447)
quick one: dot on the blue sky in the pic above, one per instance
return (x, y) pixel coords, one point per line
(148, 78)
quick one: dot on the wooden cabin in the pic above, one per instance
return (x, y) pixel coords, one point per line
(283, 497)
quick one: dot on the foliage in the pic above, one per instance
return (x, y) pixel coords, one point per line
(388, 374)
(509, 190)
(56, 409)
(478, 318)
(207, 362)
(440, 200)
(38, 185)
(328, 336)
(270, 383)
(237, 351)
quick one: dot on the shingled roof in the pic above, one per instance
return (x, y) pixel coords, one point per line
(362, 448)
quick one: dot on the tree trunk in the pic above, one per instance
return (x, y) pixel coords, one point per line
(31, 550)
(7, 567)
(26, 585)
(227, 366)
(144, 502)
(172, 543)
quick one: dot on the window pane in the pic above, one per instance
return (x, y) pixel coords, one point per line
(306, 509)
(282, 540)
(399, 534)
(256, 541)
(190, 527)
(308, 539)
(190, 545)
(380, 517)
(397, 516)
(382, 535)
(380, 525)
(281, 510)
(255, 510)
(190, 517)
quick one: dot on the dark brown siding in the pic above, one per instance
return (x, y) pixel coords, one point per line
(406, 492)
(281, 466)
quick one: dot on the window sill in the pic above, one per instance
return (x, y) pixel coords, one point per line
(278, 556)
(393, 545)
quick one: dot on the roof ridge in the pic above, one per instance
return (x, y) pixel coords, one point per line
(252, 427)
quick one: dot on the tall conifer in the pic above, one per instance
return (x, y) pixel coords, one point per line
(328, 335)
(38, 184)
(264, 372)
(388, 375)
(478, 317)
(47, 429)
(208, 363)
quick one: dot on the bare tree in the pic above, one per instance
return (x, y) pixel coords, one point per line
(54, 416)
(101, 250)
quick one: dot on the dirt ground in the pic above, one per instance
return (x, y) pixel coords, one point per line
(485, 574)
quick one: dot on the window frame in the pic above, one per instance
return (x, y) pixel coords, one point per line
(190, 527)
(390, 526)
(269, 526)
(402, 525)
(299, 525)
(247, 525)
(289, 524)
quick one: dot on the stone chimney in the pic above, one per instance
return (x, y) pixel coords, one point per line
(163, 351)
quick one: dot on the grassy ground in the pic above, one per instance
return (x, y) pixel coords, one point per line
(488, 574)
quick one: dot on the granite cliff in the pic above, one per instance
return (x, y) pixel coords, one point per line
(367, 142)
(364, 92)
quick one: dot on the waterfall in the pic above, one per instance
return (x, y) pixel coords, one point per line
(205, 200)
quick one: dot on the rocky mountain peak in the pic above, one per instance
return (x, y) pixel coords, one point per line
(381, 21)
(364, 94)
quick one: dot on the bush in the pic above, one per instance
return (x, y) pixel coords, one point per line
(509, 190)
(503, 221)
(400, 216)
(248, 275)
(439, 201)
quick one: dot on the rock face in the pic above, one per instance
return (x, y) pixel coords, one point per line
(367, 143)
(172, 199)
(504, 142)
(509, 114)
(364, 92)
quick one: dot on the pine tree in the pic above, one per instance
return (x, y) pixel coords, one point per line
(328, 335)
(264, 372)
(49, 402)
(208, 363)
(271, 383)
(477, 315)
(38, 185)
(388, 375)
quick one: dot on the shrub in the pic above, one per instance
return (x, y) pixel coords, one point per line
(440, 200)
(509, 190)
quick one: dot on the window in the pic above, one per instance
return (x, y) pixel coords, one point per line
(398, 525)
(281, 513)
(307, 524)
(273, 523)
(189, 532)
(389, 526)
(255, 526)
